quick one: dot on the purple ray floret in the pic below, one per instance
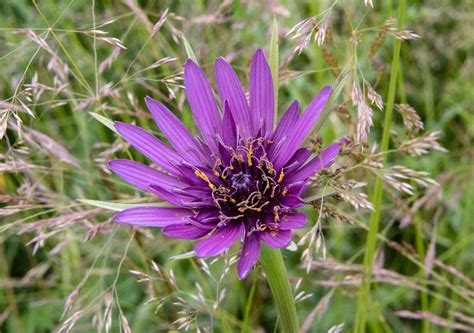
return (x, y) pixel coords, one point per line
(241, 180)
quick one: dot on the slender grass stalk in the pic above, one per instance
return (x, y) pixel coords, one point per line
(420, 249)
(80, 76)
(364, 290)
(274, 268)
(419, 239)
(274, 65)
(420, 246)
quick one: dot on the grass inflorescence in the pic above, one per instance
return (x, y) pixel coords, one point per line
(402, 103)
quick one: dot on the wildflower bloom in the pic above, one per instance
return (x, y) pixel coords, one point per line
(242, 179)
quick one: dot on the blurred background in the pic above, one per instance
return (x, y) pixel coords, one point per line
(68, 68)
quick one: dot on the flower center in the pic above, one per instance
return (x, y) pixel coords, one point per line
(246, 187)
(242, 182)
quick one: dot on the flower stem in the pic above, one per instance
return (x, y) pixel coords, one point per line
(274, 268)
(364, 291)
(248, 306)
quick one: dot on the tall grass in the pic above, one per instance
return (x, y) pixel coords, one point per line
(68, 69)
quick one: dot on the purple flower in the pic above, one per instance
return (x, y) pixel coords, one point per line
(242, 179)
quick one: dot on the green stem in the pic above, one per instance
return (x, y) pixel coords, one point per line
(274, 268)
(364, 291)
(248, 306)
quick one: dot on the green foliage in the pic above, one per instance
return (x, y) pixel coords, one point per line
(79, 65)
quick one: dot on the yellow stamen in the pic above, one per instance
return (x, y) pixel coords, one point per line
(285, 191)
(203, 176)
(270, 168)
(249, 155)
(280, 178)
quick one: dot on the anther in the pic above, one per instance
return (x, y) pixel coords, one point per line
(249, 155)
(203, 176)
(280, 178)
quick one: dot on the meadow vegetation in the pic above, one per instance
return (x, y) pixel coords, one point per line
(389, 250)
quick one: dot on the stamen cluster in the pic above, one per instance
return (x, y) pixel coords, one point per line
(247, 188)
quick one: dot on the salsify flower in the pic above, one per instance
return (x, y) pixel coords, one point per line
(242, 179)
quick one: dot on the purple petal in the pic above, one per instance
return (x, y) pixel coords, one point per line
(219, 241)
(166, 195)
(301, 156)
(287, 122)
(291, 201)
(194, 191)
(205, 219)
(142, 176)
(316, 164)
(187, 174)
(231, 90)
(204, 151)
(298, 133)
(202, 102)
(276, 238)
(152, 216)
(184, 231)
(208, 215)
(151, 147)
(262, 104)
(293, 221)
(229, 135)
(249, 255)
(174, 130)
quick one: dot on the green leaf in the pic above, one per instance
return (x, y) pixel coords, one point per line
(189, 49)
(274, 56)
(104, 121)
(118, 206)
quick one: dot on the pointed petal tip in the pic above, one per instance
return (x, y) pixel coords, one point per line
(220, 59)
(190, 63)
(221, 65)
(120, 126)
(260, 51)
(117, 217)
(327, 89)
(149, 101)
(242, 273)
(260, 54)
(111, 164)
(295, 104)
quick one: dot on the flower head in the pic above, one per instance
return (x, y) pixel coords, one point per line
(242, 179)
